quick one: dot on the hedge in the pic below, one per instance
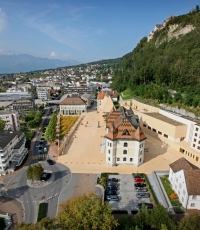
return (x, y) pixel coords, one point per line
(42, 211)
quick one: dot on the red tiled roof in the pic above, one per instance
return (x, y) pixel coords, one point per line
(123, 125)
(72, 101)
(101, 95)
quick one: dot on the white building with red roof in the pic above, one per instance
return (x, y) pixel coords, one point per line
(125, 141)
(185, 180)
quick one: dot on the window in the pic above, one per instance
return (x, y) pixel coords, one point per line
(182, 199)
(194, 145)
(183, 192)
(159, 132)
(125, 152)
(109, 151)
(131, 159)
(149, 127)
(140, 159)
(180, 185)
(108, 158)
(197, 129)
(126, 133)
(144, 125)
(110, 145)
(125, 144)
(140, 153)
(154, 130)
(178, 192)
(165, 135)
(124, 159)
(195, 140)
(195, 134)
(118, 159)
(194, 197)
(192, 205)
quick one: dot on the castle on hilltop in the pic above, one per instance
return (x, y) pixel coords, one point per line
(158, 27)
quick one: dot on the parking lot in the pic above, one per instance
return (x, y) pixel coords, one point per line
(127, 196)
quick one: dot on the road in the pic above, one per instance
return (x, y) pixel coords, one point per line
(30, 197)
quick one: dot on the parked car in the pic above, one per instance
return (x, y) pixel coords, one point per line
(137, 176)
(112, 187)
(148, 205)
(139, 180)
(112, 197)
(110, 183)
(111, 192)
(50, 162)
(140, 185)
(140, 189)
(39, 158)
(45, 176)
(142, 195)
(113, 180)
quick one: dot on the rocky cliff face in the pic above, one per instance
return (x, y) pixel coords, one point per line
(175, 31)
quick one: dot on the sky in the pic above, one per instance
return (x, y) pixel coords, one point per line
(81, 30)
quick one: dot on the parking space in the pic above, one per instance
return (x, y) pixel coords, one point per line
(127, 196)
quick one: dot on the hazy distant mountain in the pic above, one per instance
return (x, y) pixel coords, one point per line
(25, 63)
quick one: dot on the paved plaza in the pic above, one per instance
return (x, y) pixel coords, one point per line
(82, 154)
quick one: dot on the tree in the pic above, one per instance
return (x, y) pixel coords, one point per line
(2, 125)
(142, 218)
(50, 133)
(86, 212)
(29, 173)
(197, 8)
(37, 171)
(191, 222)
(2, 223)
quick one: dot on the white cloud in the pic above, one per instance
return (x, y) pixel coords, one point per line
(53, 54)
(3, 21)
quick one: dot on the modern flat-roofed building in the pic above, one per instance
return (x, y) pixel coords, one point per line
(11, 119)
(13, 96)
(43, 93)
(23, 105)
(12, 151)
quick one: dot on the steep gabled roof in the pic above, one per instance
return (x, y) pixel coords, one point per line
(192, 180)
(182, 164)
(124, 124)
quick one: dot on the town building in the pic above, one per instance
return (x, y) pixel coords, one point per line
(42, 93)
(12, 151)
(87, 98)
(124, 139)
(23, 105)
(79, 89)
(11, 119)
(13, 96)
(185, 181)
(72, 106)
(105, 105)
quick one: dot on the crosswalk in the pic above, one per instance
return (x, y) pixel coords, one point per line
(42, 155)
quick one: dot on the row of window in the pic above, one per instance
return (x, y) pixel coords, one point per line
(125, 159)
(124, 152)
(125, 144)
(189, 154)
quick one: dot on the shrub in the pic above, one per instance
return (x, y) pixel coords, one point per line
(41, 211)
(173, 196)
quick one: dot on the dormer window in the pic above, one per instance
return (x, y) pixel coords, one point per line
(125, 144)
(125, 133)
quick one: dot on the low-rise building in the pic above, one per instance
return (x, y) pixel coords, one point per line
(72, 106)
(23, 105)
(43, 93)
(185, 181)
(12, 151)
(11, 119)
(124, 139)
(13, 96)
(87, 98)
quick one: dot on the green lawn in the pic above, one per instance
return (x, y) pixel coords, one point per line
(127, 94)
(169, 191)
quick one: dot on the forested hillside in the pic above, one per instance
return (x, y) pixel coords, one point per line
(164, 63)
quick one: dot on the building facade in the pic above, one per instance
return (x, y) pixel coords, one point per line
(23, 105)
(72, 106)
(12, 151)
(42, 93)
(125, 141)
(11, 119)
(185, 181)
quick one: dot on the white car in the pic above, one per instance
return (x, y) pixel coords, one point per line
(45, 149)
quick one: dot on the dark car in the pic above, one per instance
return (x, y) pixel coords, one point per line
(140, 189)
(111, 192)
(115, 180)
(110, 187)
(45, 176)
(50, 162)
(148, 205)
(112, 197)
(110, 183)
(137, 176)
(142, 195)
(140, 185)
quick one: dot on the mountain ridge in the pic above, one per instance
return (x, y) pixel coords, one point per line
(16, 63)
